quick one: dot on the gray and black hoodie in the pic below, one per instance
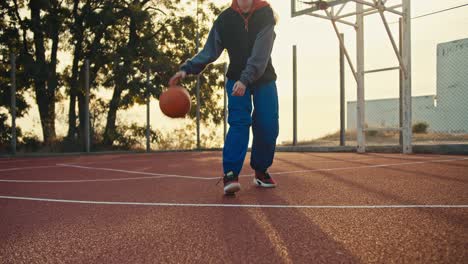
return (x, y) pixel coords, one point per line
(249, 45)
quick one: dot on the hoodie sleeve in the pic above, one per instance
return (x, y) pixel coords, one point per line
(261, 53)
(210, 52)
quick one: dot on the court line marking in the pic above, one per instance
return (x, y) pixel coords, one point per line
(234, 205)
(83, 165)
(160, 175)
(83, 181)
(32, 159)
(370, 166)
(86, 164)
(148, 160)
(29, 168)
(195, 159)
(273, 173)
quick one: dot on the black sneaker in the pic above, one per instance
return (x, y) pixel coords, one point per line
(231, 183)
(263, 179)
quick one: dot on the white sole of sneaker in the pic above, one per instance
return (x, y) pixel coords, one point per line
(263, 185)
(232, 188)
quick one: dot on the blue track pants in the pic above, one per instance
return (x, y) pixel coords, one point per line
(264, 122)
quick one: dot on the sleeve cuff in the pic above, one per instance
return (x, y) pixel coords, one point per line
(244, 80)
(185, 68)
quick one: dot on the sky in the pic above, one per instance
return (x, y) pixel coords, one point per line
(318, 68)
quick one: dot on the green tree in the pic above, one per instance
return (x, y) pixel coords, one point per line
(10, 42)
(92, 27)
(158, 42)
(36, 27)
(122, 39)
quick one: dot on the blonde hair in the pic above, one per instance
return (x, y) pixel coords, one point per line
(275, 14)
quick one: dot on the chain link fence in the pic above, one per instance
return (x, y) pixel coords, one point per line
(442, 118)
(139, 127)
(439, 82)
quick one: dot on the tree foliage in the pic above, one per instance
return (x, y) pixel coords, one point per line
(123, 41)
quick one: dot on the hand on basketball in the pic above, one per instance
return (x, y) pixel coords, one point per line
(239, 89)
(177, 77)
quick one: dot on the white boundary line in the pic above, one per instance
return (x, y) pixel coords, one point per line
(29, 168)
(195, 159)
(149, 160)
(82, 181)
(234, 205)
(35, 159)
(86, 165)
(160, 175)
(371, 166)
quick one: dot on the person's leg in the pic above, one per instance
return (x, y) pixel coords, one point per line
(237, 138)
(265, 126)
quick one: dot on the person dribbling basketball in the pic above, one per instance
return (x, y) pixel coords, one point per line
(246, 30)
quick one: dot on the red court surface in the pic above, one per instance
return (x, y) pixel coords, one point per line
(167, 208)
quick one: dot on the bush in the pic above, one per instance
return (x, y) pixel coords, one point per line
(420, 128)
(372, 133)
(5, 130)
(30, 143)
(5, 134)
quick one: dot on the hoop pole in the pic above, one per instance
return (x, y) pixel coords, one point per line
(406, 58)
(360, 111)
(342, 95)
(294, 95)
(400, 85)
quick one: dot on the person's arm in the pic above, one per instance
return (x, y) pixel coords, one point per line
(261, 52)
(210, 52)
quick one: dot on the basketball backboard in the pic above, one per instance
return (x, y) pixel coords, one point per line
(302, 7)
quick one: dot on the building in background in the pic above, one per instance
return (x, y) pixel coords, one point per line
(445, 112)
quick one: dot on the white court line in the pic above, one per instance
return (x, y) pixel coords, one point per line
(235, 205)
(152, 176)
(139, 172)
(28, 168)
(370, 166)
(195, 159)
(147, 160)
(160, 175)
(33, 159)
(82, 181)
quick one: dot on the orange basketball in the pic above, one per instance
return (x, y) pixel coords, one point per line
(175, 102)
